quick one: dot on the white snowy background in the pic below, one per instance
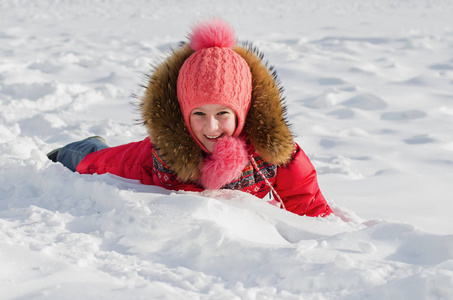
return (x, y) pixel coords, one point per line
(369, 87)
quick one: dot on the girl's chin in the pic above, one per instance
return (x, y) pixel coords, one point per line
(209, 145)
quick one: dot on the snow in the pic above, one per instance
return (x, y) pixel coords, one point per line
(369, 85)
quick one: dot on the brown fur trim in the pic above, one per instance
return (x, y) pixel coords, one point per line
(266, 125)
(164, 121)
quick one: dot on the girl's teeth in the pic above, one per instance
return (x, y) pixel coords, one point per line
(213, 137)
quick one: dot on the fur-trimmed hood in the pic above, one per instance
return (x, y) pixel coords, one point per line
(266, 128)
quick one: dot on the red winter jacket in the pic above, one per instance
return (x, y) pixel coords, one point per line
(296, 183)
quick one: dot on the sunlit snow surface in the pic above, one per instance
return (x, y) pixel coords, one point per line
(369, 89)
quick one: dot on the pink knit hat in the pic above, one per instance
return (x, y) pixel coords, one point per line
(214, 74)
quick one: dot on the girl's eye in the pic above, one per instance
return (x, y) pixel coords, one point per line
(222, 113)
(198, 113)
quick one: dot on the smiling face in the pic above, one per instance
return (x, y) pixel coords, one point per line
(211, 122)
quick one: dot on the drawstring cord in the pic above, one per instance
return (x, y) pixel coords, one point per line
(274, 192)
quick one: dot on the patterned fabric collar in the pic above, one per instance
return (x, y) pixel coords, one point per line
(250, 181)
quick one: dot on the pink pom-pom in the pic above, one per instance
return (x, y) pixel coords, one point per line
(224, 164)
(212, 33)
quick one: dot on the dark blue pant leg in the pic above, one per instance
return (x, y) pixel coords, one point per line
(72, 154)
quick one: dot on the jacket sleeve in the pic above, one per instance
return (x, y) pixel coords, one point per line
(297, 186)
(132, 161)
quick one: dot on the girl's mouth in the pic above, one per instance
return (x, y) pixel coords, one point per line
(214, 137)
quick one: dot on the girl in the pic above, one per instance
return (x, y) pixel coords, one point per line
(215, 118)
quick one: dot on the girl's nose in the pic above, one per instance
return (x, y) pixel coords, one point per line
(212, 124)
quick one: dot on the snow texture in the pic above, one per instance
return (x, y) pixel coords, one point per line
(369, 85)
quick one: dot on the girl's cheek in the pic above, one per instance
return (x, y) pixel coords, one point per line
(196, 124)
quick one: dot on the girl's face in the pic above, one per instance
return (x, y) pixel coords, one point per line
(211, 122)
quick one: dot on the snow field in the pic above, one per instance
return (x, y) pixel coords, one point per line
(369, 90)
